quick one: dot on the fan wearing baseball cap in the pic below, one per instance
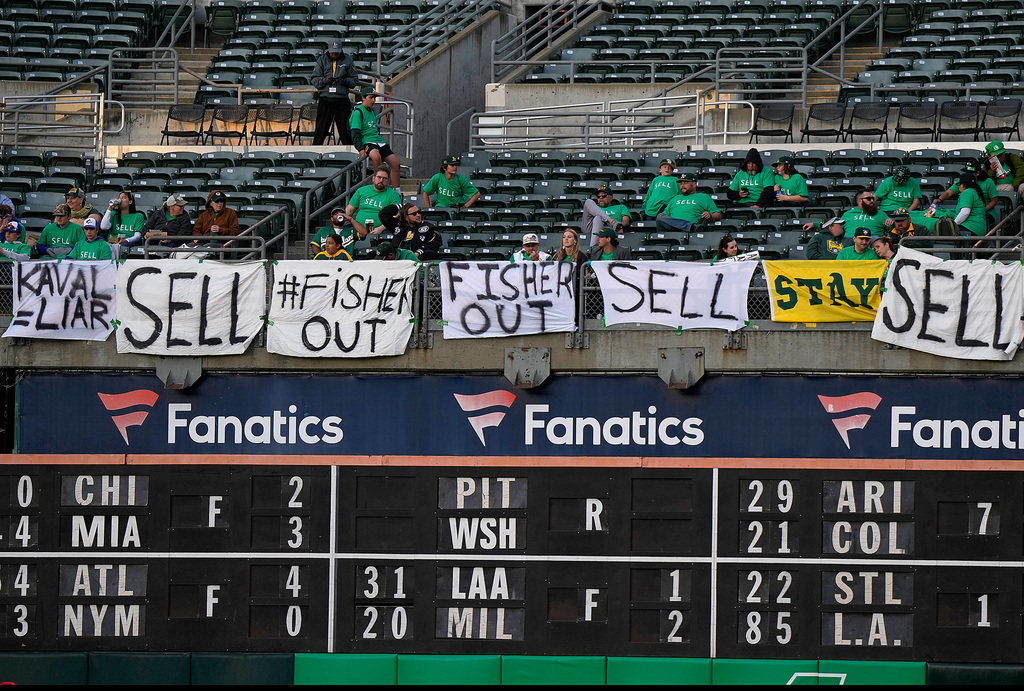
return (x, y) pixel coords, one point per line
(334, 76)
(830, 241)
(80, 209)
(661, 190)
(367, 139)
(861, 248)
(603, 213)
(531, 251)
(59, 237)
(1010, 165)
(12, 247)
(92, 246)
(451, 188)
(169, 220)
(217, 218)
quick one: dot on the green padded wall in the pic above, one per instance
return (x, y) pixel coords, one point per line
(110, 668)
(990, 675)
(44, 668)
(243, 668)
(658, 670)
(450, 670)
(863, 672)
(327, 668)
(759, 672)
(558, 670)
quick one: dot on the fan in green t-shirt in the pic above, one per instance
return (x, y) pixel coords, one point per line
(368, 200)
(451, 188)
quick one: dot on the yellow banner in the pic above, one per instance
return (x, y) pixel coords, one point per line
(825, 291)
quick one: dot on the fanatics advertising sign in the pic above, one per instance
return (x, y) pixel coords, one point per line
(723, 417)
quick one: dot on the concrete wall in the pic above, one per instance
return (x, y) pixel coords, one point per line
(444, 85)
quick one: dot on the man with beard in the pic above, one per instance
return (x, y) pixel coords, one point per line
(866, 214)
(368, 200)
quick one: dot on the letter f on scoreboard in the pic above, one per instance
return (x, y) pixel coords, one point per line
(491, 399)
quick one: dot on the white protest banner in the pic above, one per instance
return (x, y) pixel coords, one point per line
(960, 309)
(494, 299)
(680, 294)
(341, 309)
(185, 307)
(68, 300)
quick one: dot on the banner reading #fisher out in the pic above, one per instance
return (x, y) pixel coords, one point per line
(824, 291)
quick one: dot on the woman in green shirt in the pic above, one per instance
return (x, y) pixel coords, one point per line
(570, 249)
(123, 223)
(790, 186)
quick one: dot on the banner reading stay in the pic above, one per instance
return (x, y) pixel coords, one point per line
(824, 291)
(185, 307)
(71, 300)
(341, 309)
(492, 299)
(679, 294)
(955, 308)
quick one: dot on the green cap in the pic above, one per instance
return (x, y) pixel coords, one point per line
(367, 91)
(994, 148)
(384, 249)
(606, 233)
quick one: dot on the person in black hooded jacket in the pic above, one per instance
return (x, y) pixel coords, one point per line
(754, 184)
(415, 234)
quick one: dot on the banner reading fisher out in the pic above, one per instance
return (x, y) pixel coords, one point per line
(341, 309)
(64, 300)
(184, 307)
(824, 291)
(679, 294)
(492, 299)
(956, 308)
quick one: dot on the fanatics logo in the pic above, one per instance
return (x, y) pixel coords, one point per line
(843, 404)
(491, 399)
(122, 401)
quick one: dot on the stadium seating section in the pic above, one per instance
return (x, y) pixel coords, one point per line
(55, 40)
(276, 44)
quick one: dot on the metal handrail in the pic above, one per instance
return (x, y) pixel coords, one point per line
(346, 192)
(272, 241)
(532, 34)
(124, 60)
(188, 22)
(17, 122)
(153, 248)
(450, 15)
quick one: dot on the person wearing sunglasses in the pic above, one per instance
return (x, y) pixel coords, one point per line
(865, 214)
(416, 235)
(604, 212)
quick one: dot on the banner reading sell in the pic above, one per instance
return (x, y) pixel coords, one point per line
(495, 299)
(185, 307)
(955, 308)
(678, 294)
(64, 300)
(341, 309)
(824, 291)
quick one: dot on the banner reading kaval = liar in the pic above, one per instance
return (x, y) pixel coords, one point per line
(824, 291)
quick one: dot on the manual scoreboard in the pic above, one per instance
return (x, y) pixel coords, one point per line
(696, 562)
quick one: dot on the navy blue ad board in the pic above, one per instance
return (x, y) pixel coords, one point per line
(601, 415)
